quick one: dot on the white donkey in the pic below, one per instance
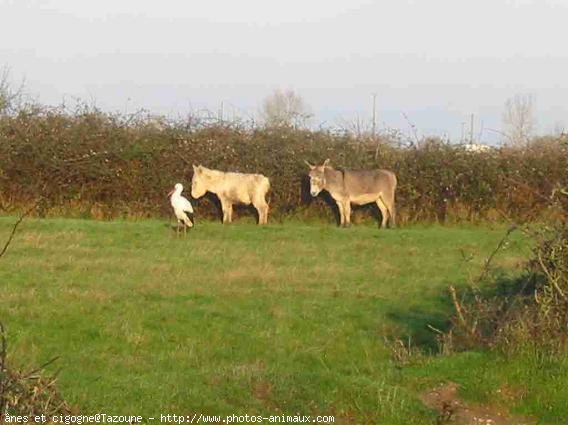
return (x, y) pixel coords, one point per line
(232, 188)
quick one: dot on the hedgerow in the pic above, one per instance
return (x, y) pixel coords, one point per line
(94, 164)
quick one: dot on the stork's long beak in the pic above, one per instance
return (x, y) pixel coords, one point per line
(171, 192)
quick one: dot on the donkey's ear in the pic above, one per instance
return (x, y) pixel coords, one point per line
(326, 163)
(309, 165)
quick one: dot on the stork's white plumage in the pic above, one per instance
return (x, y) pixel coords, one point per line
(182, 207)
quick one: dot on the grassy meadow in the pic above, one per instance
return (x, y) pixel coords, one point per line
(288, 318)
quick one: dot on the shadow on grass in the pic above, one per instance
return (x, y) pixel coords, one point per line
(499, 291)
(414, 323)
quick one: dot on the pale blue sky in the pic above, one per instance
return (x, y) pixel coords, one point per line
(438, 61)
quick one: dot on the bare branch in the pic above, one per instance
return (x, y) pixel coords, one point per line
(413, 128)
(14, 229)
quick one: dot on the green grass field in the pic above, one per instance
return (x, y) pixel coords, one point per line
(288, 318)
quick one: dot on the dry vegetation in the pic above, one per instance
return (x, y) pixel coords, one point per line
(91, 164)
(27, 393)
(511, 315)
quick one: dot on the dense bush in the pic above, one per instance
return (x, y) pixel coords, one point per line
(528, 312)
(93, 164)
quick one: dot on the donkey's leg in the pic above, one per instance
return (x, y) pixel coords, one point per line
(341, 213)
(392, 212)
(262, 209)
(225, 207)
(266, 209)
(258, 205)
(384, 212)
(264, 213)
(230, 212)
(347, 212)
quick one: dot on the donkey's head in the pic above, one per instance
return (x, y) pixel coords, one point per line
(198, 184)
(317, 177)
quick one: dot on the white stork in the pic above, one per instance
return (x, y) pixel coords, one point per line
(182, 208)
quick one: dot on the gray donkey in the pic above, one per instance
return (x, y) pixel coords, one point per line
(348, 187)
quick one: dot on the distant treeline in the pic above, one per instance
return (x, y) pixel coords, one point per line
(93, 164)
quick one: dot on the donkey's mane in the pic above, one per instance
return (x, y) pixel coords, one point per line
(342, 170)
(218, 173)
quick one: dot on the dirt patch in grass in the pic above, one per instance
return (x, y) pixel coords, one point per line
(261, 389)
(454, 410)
